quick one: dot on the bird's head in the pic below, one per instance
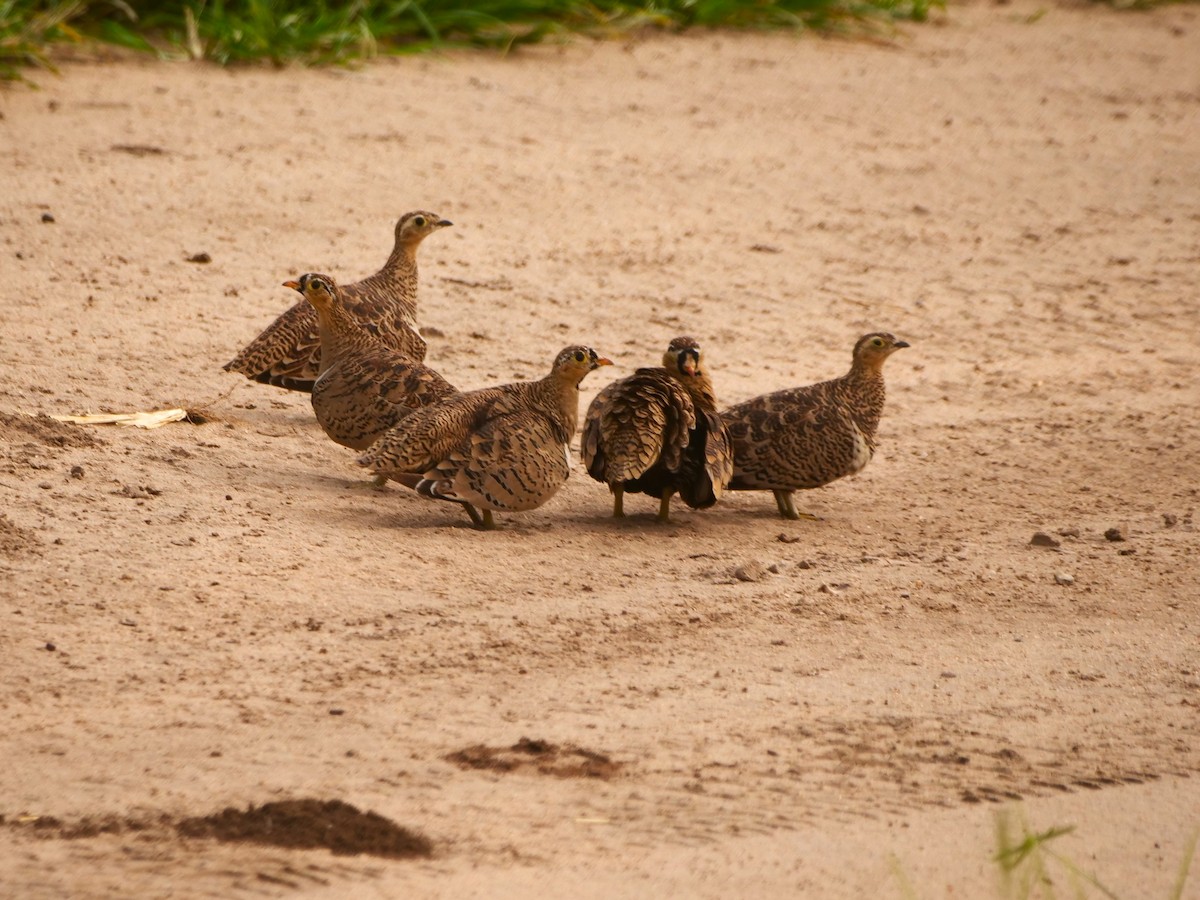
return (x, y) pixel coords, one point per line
(413, 227)
(319, 290)
(683, 356)
(872, 349)
(574, 362)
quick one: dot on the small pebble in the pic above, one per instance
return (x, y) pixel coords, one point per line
(1063, 578)
(199, 258)
(773, 568)
(51, 646)
(1041, 539)
(787, 538)
(128, 622)
(337, 712)
(76, 471)
(750, 571)
(828, 588)
(47, 217)
(1070, 532)
(1170, 520)
(1114, 534)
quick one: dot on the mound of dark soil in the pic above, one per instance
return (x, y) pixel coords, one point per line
(307, 823)
(540, 756)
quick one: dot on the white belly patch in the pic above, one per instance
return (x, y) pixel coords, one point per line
(862, 452)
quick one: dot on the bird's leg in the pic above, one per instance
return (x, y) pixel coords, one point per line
(474, 514)
(488, 523)
(664, 506)
(618, 501)
(785, 500)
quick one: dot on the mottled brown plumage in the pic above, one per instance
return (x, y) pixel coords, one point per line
(288, 353)
(365, 387)
(658, 432)
(806, 437)
(498, 448)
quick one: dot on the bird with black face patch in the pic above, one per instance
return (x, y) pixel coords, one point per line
(365, 387)
(288, 353)
(657, 432)
(806, 437)
(503, 448)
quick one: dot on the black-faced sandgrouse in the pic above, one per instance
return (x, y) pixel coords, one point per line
(658, 432)
(806, 437)
(501, 448)
(287, 353)
(365, 387)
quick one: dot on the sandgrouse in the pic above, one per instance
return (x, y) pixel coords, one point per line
(658, 432)
(500, 448)
(288, 353)
(365, 387)
(806, 437)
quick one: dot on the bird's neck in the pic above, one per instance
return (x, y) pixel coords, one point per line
(865, 394)
(700, 388)
(402, 261)
(340, 333)
(398, 280)
(562, 395)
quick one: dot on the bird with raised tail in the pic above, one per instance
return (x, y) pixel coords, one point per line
(658, 432)
(504, 448)
(287, 353)
(806, 437)
(365, 387)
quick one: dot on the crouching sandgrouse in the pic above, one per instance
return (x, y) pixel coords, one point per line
(806, 437)
(365, 387)
(501, 448)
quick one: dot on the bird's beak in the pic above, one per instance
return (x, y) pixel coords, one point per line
(603, 361)
(294, 285)
(443, 223)
(900, 344)
(687, 365)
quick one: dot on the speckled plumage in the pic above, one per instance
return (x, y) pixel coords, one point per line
(287, 353)
(806, 437)
(658, 432)
(498, 448)
(365, 387)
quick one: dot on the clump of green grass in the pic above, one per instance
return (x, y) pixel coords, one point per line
(27, 29)
(1031, 869)
(316, 31)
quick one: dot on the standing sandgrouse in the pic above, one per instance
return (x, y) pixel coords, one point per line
(498, 448)
(806, 437)
(288, 353)
(658, 432)
(365, 387)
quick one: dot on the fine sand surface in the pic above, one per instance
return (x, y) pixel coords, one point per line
(214, 615)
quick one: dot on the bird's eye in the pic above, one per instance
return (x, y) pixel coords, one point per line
(419, 221)
(878, 342)
(578, 356)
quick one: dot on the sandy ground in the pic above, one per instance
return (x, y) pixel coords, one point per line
(237, 618)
